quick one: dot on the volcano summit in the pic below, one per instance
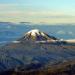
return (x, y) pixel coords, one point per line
(36, 35)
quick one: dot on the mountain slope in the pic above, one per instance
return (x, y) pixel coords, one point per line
(33, 56)
(24, 55)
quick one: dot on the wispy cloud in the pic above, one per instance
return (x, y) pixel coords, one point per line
(71, 33)
(15, 13)
(62, 32)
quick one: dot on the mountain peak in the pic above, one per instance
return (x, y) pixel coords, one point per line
(37, 35)
(35, 32)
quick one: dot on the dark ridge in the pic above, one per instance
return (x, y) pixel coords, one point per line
(67, 69)
(52, 37)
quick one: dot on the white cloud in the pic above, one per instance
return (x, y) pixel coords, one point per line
(61, 32)
(65, 32)
(70, 33)
(8, 27)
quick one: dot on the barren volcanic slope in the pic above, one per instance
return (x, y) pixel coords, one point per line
(25, 55)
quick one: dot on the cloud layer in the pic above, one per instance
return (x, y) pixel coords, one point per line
(16, 13)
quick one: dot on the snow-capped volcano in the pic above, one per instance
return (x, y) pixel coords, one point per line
(35, 32)
(36, 35)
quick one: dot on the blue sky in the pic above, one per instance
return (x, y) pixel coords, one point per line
(38, 11)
